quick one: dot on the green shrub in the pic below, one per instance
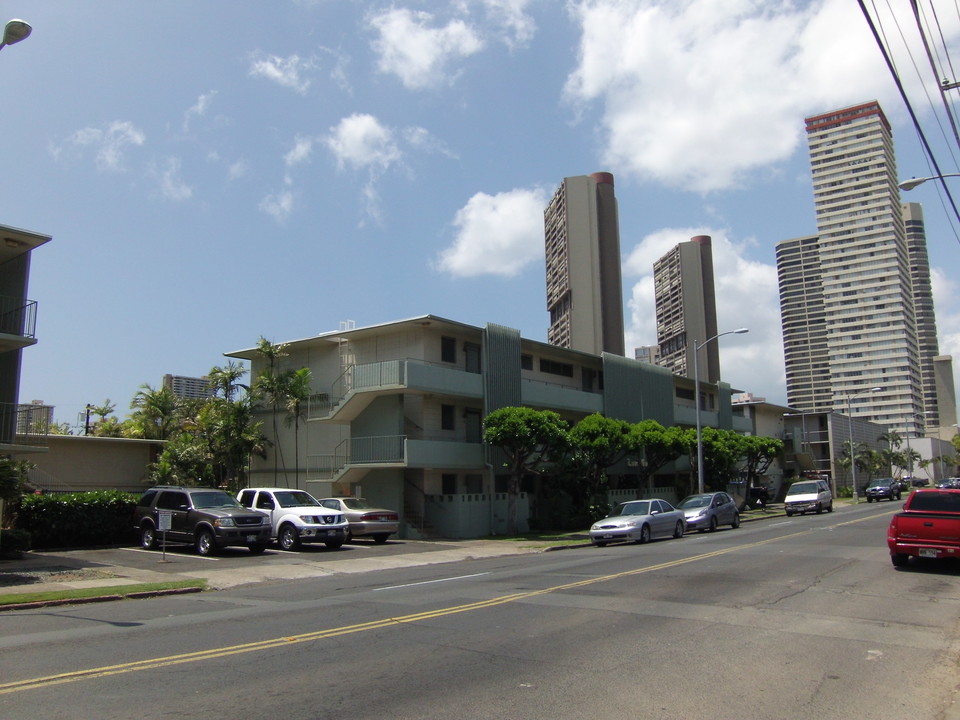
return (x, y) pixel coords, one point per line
(12, 541)
(80, 519)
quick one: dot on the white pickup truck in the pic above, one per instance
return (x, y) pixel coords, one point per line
(297, 517)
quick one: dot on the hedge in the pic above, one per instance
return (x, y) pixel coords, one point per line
(82, 519)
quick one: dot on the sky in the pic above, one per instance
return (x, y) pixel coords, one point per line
(214, 172)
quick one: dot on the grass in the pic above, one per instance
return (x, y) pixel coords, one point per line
(86, 593)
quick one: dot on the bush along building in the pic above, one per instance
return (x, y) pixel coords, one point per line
(394, 413)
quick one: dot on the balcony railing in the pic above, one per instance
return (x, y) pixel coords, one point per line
(18, 317)
(24, 424)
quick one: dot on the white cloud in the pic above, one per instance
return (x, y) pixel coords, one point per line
(408, 47)
(287, 72)
(362, 142)
(278, 205)
(696, 93)
(496, 234)
(747, 296)
(300, 152)
(511, 16)
(199, 108)
(109, 144)
(171, 185)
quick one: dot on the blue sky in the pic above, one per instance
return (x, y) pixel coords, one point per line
(212, 172)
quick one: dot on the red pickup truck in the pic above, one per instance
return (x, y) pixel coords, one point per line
(927, 527)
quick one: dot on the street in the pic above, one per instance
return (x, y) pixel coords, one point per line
(800, 617)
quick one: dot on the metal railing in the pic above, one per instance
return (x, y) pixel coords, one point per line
(24, 424)
(357, 451)
(18, 316)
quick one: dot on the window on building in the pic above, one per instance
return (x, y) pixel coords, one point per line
(556, 368)
(449, 482)
(474, 484)
(526, 362)
(447, 421)
(448, 349)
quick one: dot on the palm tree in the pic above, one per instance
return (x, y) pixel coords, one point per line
(272, 386)
(155, 413)
(297, 391)
(224, 380)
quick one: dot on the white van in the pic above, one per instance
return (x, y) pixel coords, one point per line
(806, 495)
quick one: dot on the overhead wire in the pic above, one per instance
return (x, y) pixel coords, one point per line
(913, 115)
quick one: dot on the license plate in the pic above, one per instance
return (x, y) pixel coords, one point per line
(331, 533)
(928, 552)
(608, 535)
(251, 538)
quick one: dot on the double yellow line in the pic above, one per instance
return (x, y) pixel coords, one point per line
(153, 663)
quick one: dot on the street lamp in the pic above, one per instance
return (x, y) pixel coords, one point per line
(696, 381)
(15, 31)
(853, 459)
(913, 182)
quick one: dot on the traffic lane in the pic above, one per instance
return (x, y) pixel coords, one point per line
(564, 633)
(182, 558)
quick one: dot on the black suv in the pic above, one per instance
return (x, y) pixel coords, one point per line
(207, 518)
(880, 488)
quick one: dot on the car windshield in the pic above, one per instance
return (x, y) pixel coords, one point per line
(694, 501)
(357, 504)
(802, 488)
(214, 498)
(296, 499)
(879, 482)
(631, 508)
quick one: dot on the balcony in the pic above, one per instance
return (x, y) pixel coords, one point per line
(359, 385)
(18, 323)
(362, 453)
(24, 427)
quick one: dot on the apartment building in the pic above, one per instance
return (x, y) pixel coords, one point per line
(686, 308)
(847, 301)
(582, 245)
(23, 428)
(397, 409)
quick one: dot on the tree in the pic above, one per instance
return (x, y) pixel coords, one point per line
(595, 443)
(297, 393)
(528, 438)
(654, 446)
(758, 453)
(155, 413)
(271, 385)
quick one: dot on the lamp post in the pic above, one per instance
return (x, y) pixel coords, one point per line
(853, 459)
(913, 182)
(696, 382)
(15, 31)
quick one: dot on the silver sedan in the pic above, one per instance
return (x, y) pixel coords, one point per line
(708, 510)
(640, 521)
(365, 520)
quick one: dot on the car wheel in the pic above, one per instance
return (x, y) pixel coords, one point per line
(334, 544)
(899, 559)
(257, 549)
(288, 538)
(789, 513)
(713, 524)
(830, 506)
(599, 543)
(380, 538)
(819, 508)
(869, 499)
(148, 537)
(644, 535)
(678, 530)
(736, 521)
(205, 543)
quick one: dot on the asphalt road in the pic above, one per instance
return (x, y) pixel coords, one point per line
(790, 618)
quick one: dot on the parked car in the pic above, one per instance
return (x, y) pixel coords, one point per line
(297, 517)
(207, 518)
(927, 527)
(806, 495)
(709, 510)
(640, 521)
(880, 488)
(365, 519)
(950, 483)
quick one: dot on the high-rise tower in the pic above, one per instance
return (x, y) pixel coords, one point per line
(584, 289)
(687, 308)
(846, 295)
